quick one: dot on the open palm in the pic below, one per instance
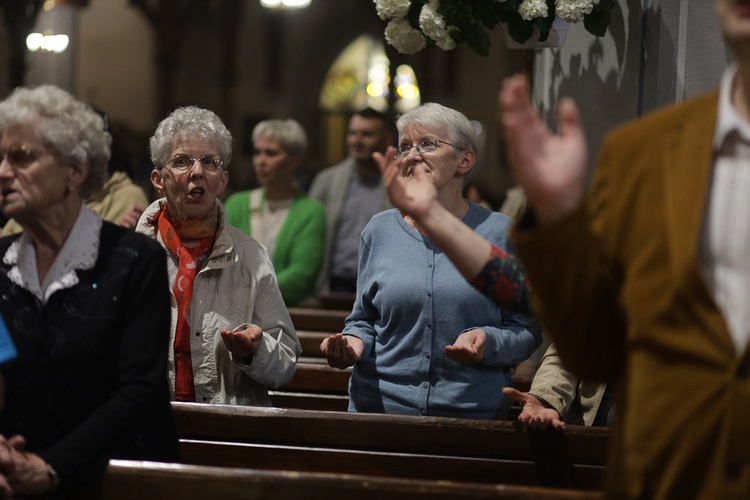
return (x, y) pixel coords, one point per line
(551, 168)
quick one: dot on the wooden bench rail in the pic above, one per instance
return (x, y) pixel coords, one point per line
(310, 341)
(378, 463)
(573, 457)
(318, 320)
(158, 481)
(309, 401)
(407, 433)
(319, 378)
(336, 300)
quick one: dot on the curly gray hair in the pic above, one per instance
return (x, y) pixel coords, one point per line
(289, 133)
(72, 129)
(187, 124)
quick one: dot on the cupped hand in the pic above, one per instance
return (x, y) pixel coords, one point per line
(468, 347)
(342, 351)
(243, 343)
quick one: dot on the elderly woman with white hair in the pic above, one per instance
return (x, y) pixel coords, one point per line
(232, 337)
(86, 305)
(291, 225)
(420, 338)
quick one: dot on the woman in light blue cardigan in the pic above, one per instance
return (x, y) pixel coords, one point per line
(420, 338)
(279, 215)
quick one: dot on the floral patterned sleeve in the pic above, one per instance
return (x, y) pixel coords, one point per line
(504, 281)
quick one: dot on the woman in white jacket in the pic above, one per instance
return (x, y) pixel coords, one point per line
(232, 337)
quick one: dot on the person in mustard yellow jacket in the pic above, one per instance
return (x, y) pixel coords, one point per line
(645, 281)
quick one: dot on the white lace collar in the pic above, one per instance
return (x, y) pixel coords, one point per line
(79, 251)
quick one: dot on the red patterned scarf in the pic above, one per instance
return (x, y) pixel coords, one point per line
(190, 259)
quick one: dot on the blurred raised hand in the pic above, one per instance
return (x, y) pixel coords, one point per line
(551, 168)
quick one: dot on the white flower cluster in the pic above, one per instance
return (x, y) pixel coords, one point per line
(388, 9)
(531, 9)
(573, 11)
(432, 24)
(403, 37)
(406, 39)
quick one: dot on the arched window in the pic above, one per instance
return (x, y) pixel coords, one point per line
(360, 77)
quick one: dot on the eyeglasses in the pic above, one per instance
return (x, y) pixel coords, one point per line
(426, 146)
(19, 158)
(183, 163)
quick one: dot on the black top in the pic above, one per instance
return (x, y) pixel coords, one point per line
(90, 380)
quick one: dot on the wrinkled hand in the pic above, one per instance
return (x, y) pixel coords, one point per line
(243, 343)
(130, 220)
(550, 168)
(468, 347)
(342, 351)
(534, 413)
(414, 194)
(23, 473)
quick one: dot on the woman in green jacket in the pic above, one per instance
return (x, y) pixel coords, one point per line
(278, 214)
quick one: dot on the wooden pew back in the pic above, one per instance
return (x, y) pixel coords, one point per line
(574, 457)
(125, 480)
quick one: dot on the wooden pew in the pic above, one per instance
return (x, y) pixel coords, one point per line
(315, 385)
(445, 448)
(125, 480)
(309, 401)
(378, 463)
(336, 300)
(310, 341)
(318, 320)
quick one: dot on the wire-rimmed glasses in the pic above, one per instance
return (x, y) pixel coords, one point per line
(425, 146)
(183, 163)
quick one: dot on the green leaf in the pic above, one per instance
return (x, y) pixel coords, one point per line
(520, 30)
(478, 40)
(597, 22)
(507, 11)
(487, 14)
(545, 25)
(605, 5)
(414, 9)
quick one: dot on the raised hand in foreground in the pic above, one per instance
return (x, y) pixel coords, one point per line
(551, 168)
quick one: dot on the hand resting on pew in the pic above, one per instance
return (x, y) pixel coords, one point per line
(342, 351)
(535, 413)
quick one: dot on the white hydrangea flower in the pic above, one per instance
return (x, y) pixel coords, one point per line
(388, 9)
(531, 9)
(432, 24)
(573, 11)
(403, 37)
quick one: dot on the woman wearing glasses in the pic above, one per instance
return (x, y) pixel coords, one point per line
(86, 305)
(232, 337)
(420, 338)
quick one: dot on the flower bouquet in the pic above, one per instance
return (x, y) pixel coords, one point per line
(416, 24)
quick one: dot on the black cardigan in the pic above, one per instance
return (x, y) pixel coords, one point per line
(90, 380)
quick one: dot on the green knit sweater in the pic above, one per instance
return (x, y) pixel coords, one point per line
(298, 255)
